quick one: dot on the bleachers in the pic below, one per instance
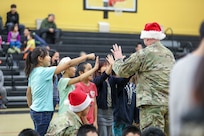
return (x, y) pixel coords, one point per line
(15, 81)
(73, 42)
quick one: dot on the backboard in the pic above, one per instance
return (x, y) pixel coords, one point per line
(111, 5)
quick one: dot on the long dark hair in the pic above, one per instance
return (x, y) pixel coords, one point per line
(52, 53)
(32, 59)
(102, 62)
(13, 26)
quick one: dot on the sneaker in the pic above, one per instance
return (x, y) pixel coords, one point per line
(3, 106)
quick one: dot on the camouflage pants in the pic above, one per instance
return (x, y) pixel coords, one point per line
(156, 116)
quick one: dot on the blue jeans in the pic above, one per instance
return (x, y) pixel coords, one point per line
(41, 120)
(39, 41)
(15, 44)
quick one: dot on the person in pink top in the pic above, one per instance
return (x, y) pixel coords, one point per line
(90, 88)
(14, 40)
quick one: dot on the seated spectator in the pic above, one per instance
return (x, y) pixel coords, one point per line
(87, 130)
(28, 132)
(30, 46)
(152, 131)
(69, 122)
(38, 40)
(13, 18)
(49, 31)
(131, 131)
(3, 92)
(14, 40)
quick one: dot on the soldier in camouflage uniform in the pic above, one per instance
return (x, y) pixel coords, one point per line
(68, 123)
(152, 66)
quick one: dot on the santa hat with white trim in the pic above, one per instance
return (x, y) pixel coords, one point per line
(152, 30)
(78, 100)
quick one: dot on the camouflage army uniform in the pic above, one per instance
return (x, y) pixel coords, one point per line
(152, 66)
(66, 124)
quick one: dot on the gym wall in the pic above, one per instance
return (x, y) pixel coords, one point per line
(182, 16)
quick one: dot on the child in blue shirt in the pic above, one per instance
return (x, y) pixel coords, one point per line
(40, 85)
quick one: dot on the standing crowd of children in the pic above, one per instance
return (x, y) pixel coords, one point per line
(103, 96)
(52, 81)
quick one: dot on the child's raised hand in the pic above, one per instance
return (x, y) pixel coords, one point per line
(96, 63)
(91, 56)
(110, 59)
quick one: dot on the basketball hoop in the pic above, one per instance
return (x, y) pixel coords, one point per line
(119, 6)
(118, 11)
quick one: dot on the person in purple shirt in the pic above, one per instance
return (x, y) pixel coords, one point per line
(13, 40)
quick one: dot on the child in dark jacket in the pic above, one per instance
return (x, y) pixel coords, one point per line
(125, 111)
(107, 86)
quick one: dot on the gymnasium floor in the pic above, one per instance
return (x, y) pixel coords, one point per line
(12, 121)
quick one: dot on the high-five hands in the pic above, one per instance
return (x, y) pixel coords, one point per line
(117, 52)
(110, 59)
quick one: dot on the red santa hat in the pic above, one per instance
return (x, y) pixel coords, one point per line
(152, 30)
(78, 100)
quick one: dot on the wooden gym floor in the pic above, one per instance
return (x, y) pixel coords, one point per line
(12, 121)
